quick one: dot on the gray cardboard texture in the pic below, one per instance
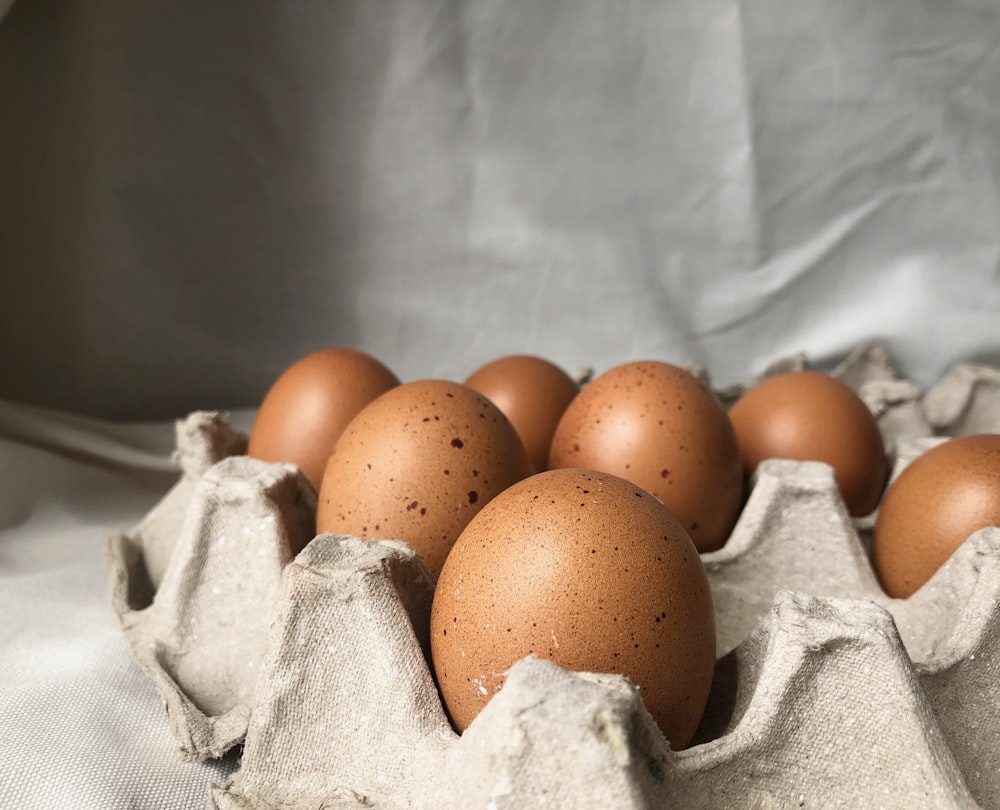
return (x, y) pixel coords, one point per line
(223, 535)
(827, 692)
(965, 400)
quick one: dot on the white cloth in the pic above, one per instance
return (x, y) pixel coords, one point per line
(195, 195)
(80, 725)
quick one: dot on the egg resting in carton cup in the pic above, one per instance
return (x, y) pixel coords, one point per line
(826, 692)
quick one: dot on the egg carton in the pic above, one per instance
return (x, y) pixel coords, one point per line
(194, 583)
(826, 692)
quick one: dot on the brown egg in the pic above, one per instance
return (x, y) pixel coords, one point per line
(532, 393)
(589, 571)
(310, 404)
(939, 500)
(417, 464)
(811, 416)
(659, 427)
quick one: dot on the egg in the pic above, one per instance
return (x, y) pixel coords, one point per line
(309, 405)
(660, 427)
(416, 464)
(812, 416)
(589, 571)
(940, 499)
(532, 393)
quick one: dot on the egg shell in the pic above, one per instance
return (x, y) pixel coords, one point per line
(587, 570)
(533, 393)
(416, 464)
(812, 416)
(309, 405)
(660, 427)
(940, 499)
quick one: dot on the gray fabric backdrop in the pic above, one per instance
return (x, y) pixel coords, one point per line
(194, 194)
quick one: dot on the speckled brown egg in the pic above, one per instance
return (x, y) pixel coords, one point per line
(942, 497)
(585, 569)
(661, 428)
(311, 402)
(417, 464)
(811, 416)
(533, 393)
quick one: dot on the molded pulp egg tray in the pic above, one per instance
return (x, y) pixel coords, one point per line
(827, 693)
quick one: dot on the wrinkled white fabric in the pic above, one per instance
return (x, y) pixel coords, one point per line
(195, 195)
(81, 725)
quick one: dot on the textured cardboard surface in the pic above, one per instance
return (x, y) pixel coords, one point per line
(820, 704)
(194, 583)
(827, 692)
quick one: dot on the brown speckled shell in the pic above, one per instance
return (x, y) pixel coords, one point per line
(417, 464)
(589, 571)
(533, 393)
(937, 502)
(811, 416)
(658, 426)
(310, 404)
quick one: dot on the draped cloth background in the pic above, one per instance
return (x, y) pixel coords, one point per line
(194, 194)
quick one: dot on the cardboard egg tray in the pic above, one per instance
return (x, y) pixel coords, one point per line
(827, 693)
